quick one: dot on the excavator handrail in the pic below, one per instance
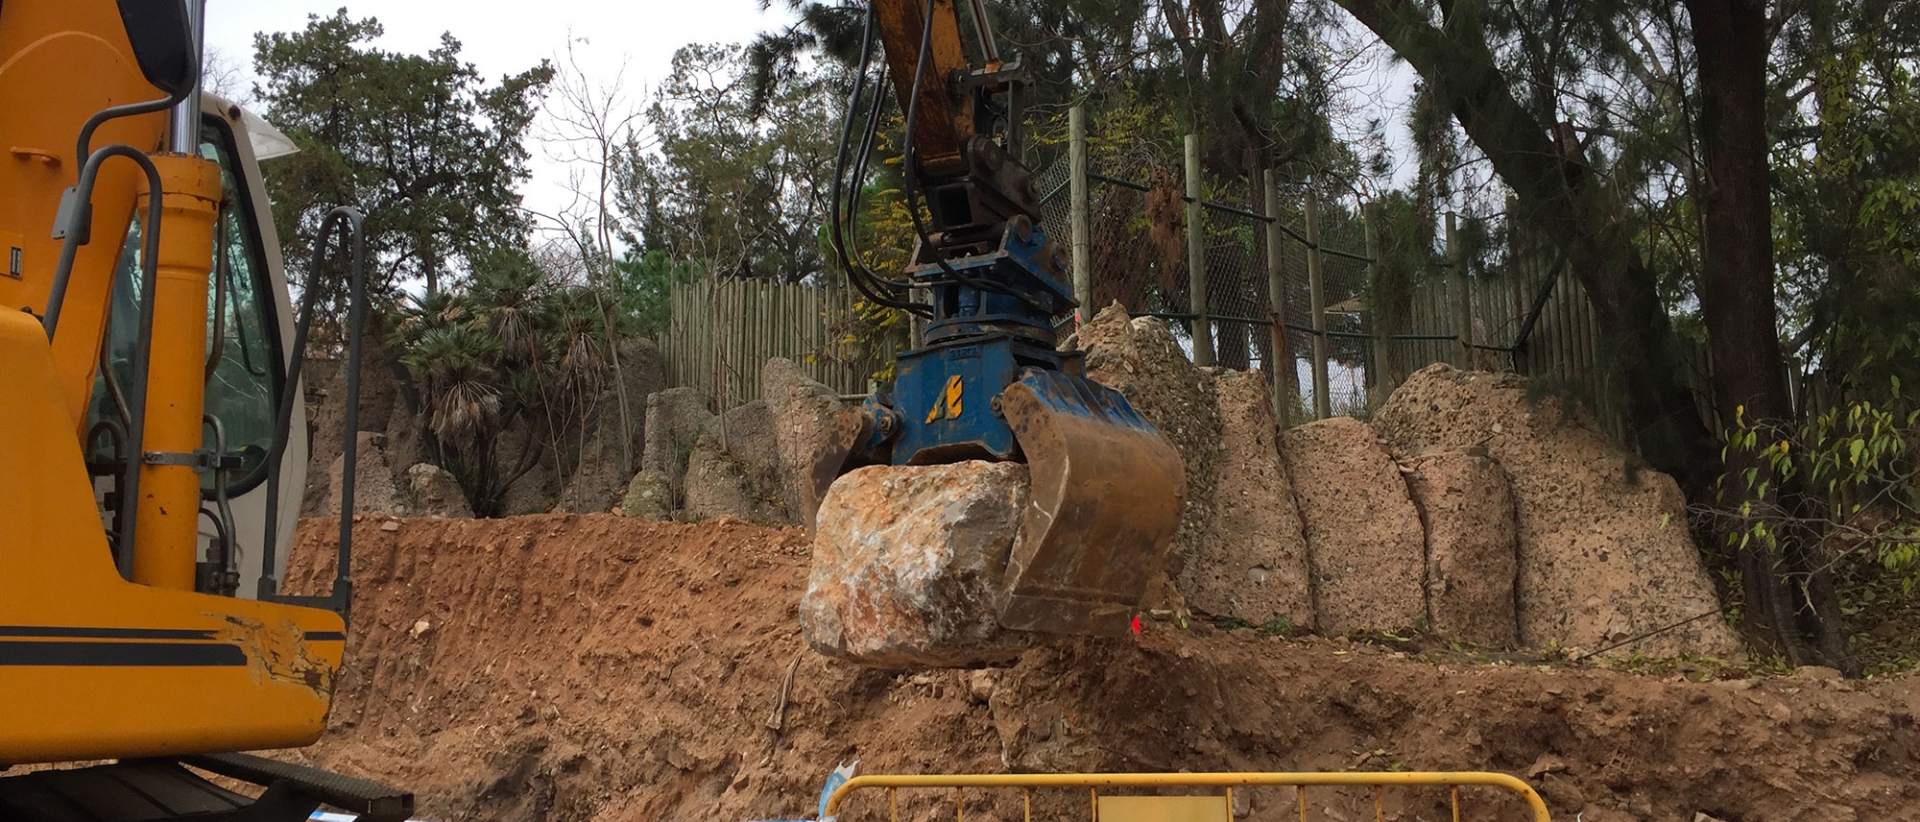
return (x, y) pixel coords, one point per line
(1227, 780)
(76, 230)
(353, 220)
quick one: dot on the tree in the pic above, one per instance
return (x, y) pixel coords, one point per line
(1846, 153)
(1561, 197)
(514, 348)
(1467, 53)
(431, 152)
(592, 128)
(727, 189)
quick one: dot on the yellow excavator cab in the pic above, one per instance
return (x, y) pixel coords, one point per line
(152, 426)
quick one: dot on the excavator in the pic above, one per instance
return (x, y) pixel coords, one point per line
(990, 382)
(152, 426)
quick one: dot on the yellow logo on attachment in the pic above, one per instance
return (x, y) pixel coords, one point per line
(952, 404)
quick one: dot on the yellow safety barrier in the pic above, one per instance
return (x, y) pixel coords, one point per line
(1183, 808)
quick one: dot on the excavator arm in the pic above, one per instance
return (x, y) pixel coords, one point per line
(989, 382)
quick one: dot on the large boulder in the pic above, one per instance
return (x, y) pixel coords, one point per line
(1466, 502)
(1364, 539)
(649, 496)
(381, 392)
(432, 492)
(1140, 357)
(909, 564)
(615, 431)
(534, 491)
(675, 419)
(1603, 549)
(374, 491)
(804, 414)
(1251, 562)
(1239, 551)
(734, 469)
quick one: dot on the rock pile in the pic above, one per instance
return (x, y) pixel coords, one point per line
(1464, 510)
(422, 490)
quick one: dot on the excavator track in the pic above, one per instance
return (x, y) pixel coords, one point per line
(167, 789)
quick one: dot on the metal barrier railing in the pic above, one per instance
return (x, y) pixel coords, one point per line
(1228, 781)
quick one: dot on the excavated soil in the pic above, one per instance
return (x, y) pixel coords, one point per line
(594, 667)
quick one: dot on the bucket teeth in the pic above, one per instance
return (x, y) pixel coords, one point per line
(1107, 494)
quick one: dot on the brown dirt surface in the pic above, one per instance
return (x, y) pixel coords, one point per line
(596, 667)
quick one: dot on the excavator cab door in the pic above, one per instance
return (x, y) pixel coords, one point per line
(248, 317)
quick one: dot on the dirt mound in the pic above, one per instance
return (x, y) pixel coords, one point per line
(598, 667)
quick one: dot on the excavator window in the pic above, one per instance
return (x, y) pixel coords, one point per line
(243, 340)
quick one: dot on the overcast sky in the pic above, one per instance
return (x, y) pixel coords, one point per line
(501, 37)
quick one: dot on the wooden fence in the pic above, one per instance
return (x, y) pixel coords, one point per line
(1562, 350)
(723, 331)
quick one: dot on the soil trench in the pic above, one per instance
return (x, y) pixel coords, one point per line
(595, 667)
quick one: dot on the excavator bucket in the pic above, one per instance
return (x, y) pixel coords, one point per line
(1107, 492)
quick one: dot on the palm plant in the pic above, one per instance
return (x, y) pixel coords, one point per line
(507, 348)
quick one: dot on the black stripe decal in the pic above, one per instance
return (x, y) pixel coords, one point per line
(325, 636)
(122, 654)
(68, 632)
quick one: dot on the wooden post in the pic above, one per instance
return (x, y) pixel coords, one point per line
(1077, 213)
(1380, 368)
(1463, 318)
(1202, 328)
(1317, 303)
(1286, 385)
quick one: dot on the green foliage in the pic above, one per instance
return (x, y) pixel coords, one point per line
(510, 346)
(641, 282)
(1849, 197)
(1857, 465)
(734, 191)
(431, 152)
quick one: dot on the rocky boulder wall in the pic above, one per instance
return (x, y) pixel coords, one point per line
(1466, 504)
(380, 395)
(675, 419)
(734, 469)
(1604, 554)
(616, 431)
(1364, 539)
(1239, 551)
(1251, 563)
(803, 422)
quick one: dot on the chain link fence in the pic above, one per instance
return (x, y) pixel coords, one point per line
(1264, 276)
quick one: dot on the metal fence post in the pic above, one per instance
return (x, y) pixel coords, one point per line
(1317, 303)
(1197, 259)
(1077, 213)
(1463, 300)
(1379, 374)
(1286, 381)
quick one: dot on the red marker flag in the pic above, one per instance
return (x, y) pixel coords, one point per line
(1136, 624)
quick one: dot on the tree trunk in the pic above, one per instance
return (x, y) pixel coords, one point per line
(1737, 305)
